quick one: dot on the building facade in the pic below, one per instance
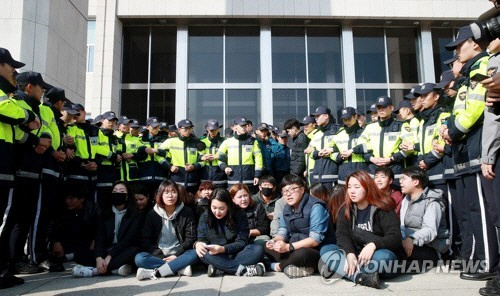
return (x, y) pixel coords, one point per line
(267, 60)
(49, 37)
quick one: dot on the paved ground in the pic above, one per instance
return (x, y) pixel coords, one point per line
(430, 283)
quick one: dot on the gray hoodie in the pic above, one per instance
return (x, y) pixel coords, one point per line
(168, 242)
(424, 220)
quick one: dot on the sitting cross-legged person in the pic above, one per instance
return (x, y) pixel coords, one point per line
(305, 226)
(167, 236)
(423, 219)
(368, 235)
(223, 239)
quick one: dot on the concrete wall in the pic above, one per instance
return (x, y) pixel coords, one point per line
(342, 9)
(50, 37)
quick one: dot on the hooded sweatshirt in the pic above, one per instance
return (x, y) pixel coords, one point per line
(168, 242)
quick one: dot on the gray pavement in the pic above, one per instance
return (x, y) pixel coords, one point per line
(430, 283)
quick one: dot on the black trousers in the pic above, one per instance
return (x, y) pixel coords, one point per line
(492, 196)
(7, 223)
(303, 257)
(27, 207)
(477, 230)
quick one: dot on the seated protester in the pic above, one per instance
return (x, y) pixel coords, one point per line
(118, 232)
(256, 215)
(320, 191)
(142, 200)
(71, 236)
(384, 178)
(223, 239)
(202, 198)
(367, 231)
(304, 227)
(423, 221)
(167, 236)
(267, 195)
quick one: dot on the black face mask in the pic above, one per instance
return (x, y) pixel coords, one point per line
(267, 191)
(118, 198)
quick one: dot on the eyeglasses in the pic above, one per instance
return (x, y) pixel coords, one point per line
(289, 191)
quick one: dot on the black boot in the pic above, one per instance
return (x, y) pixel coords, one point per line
(368, 279)
(7, 280)
(492, 288)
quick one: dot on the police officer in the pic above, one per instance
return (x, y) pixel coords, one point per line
(490, 154)
(432, 117)
(309, 124)
(11, 115)
(372, 111)
(240, 157)
(135, 128)
(52, 172)
(86, 152)
(154, 169)
(129, 147)
(325, 170)
(298, 142)
(108, 171)
(183, 154)
(211, 171)
(407, 116)
(346, 151)
(266, 141)
(382, 140)
(280, 156)
(464, 133)
(27, 193)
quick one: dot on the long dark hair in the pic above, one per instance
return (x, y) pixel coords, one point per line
(320, 191)
(374, 196)
(336, 201)
(222, 195)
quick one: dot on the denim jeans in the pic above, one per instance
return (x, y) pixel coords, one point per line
(251, 254)
(380, 258)
(149, 261)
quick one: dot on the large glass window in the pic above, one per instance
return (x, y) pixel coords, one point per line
(289, 103)
(205, 54)
(242, 54)
(134, 104)
(135, 54)
(288, 54)
(324, 55)
(204, 104)
(307, 71)
(402, 55)
(369, 55)
(223, 54)
(242, 102)
(163, 54)
(90, 45)
(162, 104)
(441, 37)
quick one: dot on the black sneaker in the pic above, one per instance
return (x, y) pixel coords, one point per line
(368, 279)
(7, 280)
(28, 268)
(251, 270)
(212, 271)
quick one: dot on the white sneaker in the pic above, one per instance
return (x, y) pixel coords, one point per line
(143, 273)
(187, 271)
(125, 270)
(82, 271)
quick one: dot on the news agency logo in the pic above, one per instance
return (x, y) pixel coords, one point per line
(332, 266)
